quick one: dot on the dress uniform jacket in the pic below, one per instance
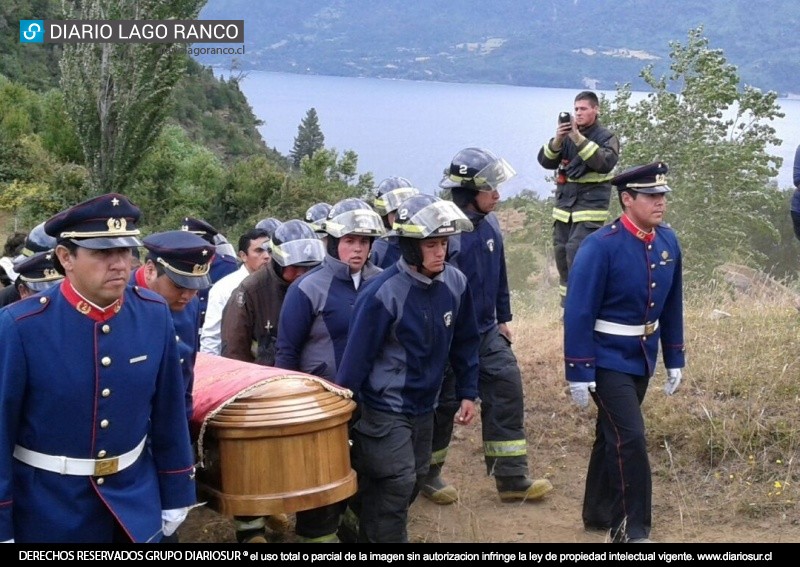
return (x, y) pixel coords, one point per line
(84, 383)
(632, 282)
(221, 266)
(187, 329)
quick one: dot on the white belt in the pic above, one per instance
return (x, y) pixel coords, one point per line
(79, 467)
(625, 330)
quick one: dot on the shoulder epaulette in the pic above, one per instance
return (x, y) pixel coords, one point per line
(29, 307)
(148, 295)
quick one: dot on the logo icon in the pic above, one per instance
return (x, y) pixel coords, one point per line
(31, 31)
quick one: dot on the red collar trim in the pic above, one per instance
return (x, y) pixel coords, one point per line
(86, 308)
(638, 232)
(139, 276)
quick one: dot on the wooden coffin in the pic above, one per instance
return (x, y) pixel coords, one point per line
(269, 440)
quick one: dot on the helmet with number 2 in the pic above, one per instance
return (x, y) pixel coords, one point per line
(425, 216)
(477, 169)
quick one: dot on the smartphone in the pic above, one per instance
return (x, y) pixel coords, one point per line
(564, 118)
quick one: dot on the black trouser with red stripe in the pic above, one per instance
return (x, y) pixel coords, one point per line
(618, 484)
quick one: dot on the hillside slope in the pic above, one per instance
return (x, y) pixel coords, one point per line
(548, 43)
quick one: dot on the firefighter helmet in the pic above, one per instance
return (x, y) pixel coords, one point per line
(391, 192)
(294, 243)
(477, 169)
(316, 215)
(353, 216)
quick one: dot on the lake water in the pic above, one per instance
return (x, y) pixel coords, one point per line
(414, 128)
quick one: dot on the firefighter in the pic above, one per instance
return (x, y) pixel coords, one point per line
(583, 153)
(407, 323)
(473, 178)
(625, 298)
(388, 195)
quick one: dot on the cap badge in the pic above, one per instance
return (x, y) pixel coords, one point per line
(117, 225)
(51, 273)
(114, 202)
(200, 269)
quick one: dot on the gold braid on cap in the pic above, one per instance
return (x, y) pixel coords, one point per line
(197, 269)
(661, 179)
(116, 227)
(49, 275)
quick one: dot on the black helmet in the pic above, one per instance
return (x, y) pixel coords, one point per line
(38, 241)
(294, 243)
(316, 215)
(476, 169)
(425, 216)
(351, 216)
(268, 225)
(391, 192)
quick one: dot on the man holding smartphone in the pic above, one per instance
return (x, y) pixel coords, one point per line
(583, 153)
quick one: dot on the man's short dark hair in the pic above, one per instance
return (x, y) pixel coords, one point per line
(14, 244)
(588, 95)
(249, 236)
(630, 192)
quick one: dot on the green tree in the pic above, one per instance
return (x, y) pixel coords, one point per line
(309, 138)
(118, 94)
(177, 178)
(715, 135)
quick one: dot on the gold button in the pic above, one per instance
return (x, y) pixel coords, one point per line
(106, 392)
(106, 329)
(571, 365)
(653, 284)
(652, 304)
(104, 424)
(42, 300)
(652, 266)
(105, 361)
(101, 480)
(177, 338)
(101, 453)
(588, 365)
(181, 361)
(649, 246)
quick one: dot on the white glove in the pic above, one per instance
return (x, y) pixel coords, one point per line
(674, 376)
(9, 541)
(171, 519)
(580, 393)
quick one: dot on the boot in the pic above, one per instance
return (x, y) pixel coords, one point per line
(434, 488)
(348, 527)
(278, 523)
(249, 529)
(512, 488)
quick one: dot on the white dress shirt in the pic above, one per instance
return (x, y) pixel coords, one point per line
(217, 298)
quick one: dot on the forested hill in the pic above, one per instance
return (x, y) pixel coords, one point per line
(547, 43)
(213, 113)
